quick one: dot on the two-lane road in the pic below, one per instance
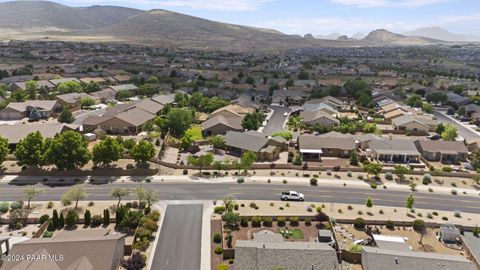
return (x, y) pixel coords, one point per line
(217, 191)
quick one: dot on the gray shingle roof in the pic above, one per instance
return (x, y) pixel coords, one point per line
(394, 147)
(381, 259)
(308, 142)
(245, 141)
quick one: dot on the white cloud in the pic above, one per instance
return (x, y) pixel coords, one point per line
(387, 3)
(230, 5)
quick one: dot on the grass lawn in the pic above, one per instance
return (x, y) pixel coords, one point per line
(195, 132)
(292, 233)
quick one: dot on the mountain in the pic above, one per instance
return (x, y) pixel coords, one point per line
(384, 37)
(332, 36)
(442, 34)
(43, 20)
(358, 36)
(28, 15)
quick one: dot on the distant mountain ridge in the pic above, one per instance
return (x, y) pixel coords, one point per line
(442, 34)
(41, 20)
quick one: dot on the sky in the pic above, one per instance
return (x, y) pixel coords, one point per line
(321, 16)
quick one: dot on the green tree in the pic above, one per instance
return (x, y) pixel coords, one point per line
(218, 142)
(461, 111)
(253, 121)
(247, 159)
(400, 171)
(107, 151)
(3, 149)
(68, 151)
(186, 142)
(370, 128)
(410, 201)
(92, 87)
(66, 116)
(415, 101)
(369, 202)
(284, 134)
(69, 87)
(436, 97)
(30, 151)
(106, 217)
(354, 158)
(142, 152)
(372, 169)
(71, 219)
(55, 218)
(32, 89)
(30, 193)
(420, 227)
(34, 115)
(303, 75)
(440, 128)
(179, 120)
(61, 221)
(181, 99)
(201, 161)
(118, 193)
(76, 193)
(18, 96)
(87, 217)
(427, 107)
(449, 133)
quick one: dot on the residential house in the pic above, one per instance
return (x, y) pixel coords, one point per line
(20, 110)
(315, 105)
(265, 148)
(287, 96)
(56, 82)
(228, 118)
(318, 117)
(409, 123)
(105, 95)
(456, 100)
(393, 150)
(124, 87)
(314, 147)
(164, 99)
(22, 86)
(444, 151)
(73, 100)
(97, 80)
(374, 258)
(15, 133)
(80, 249)
(268, 250)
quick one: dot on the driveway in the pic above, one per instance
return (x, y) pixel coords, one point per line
(276, 121)
(463, 131)
(180, 239)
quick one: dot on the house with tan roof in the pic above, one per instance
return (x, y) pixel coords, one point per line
(318, 117)
(265, 148)
(393, 150)
(21, 110)
(73, 100)
(314, 147)
(443, 151)
(223, 120)
(79, 250)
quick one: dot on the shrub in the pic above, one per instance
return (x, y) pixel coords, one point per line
(329, 172)
(359, 223)
(388, 176)
(390, 225)
(154, 215)
(143, 233)
(47, 234)
(267, 221)
(244, 221)
(308, 221)
(280, 221)
(222, 266)
(454, 192)
(96, 221)
(256, 221)
(87, 217)
(71, 219)
(141, 245)
(134, 262)
(445, 218)
(4, 207)
(457, 214)
(219, 209)
(294, 221)
(51, 227)
(44, 218)
(476, 231)
(350, 207)
(349, 174)
(218, 250)
(435, 213)
(240, 180)
(446, 169)
(16, 205)
(427, 179)
(49, 205)
(149, 224)
(430, 216)
(356, 249)
(217, 238)
(313, 181)
(373, 185)
(185, 171)
(360, 212)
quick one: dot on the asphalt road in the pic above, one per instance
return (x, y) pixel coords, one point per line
(462, 130)
(275, 123)
(216, 191)
(180, 239)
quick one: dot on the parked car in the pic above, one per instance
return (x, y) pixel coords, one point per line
(292, 196)
(433, 136)
(285, 114)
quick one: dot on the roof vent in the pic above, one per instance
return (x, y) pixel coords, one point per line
(396, 260)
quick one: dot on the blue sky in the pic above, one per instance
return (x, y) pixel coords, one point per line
(322, 16)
